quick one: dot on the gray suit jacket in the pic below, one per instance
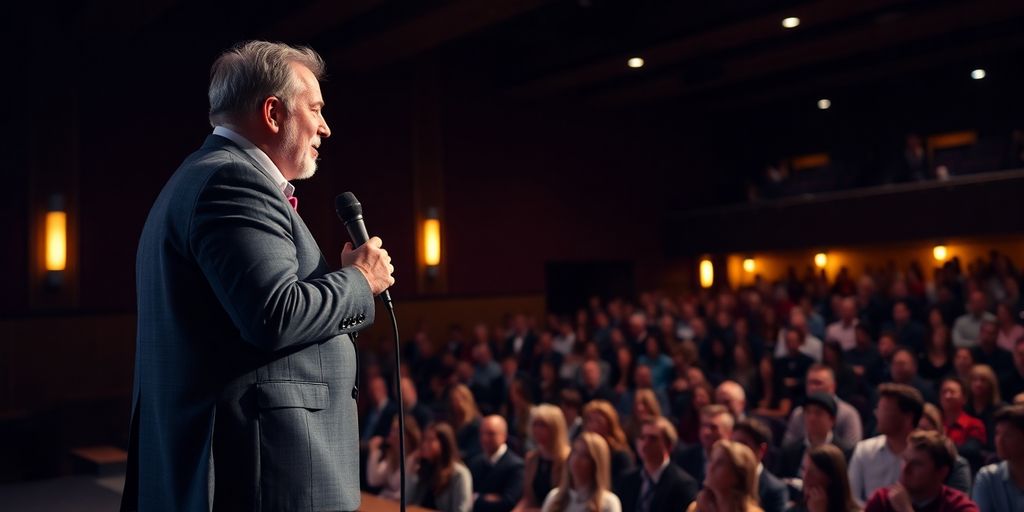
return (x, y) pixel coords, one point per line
(245, 370)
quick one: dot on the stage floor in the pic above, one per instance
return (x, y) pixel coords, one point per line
(72, 493)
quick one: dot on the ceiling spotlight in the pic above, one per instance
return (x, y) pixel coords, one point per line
(978, 74)
(635, 62)
(791, 22)
(824, 104)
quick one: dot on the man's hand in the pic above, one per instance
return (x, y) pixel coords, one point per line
(373, 261)
(899, 499)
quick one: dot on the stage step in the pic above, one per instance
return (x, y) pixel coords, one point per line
(99, 460)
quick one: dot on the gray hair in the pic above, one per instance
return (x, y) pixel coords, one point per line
(243, 77)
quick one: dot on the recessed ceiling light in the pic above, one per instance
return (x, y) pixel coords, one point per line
(635, 62)
(824, 103)
(791, 22)
(978, 74)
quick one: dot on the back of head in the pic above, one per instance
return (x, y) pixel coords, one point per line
(908, 399)
(744, 464)
(937, 446)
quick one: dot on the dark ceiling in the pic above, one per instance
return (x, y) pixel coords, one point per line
(728, 54)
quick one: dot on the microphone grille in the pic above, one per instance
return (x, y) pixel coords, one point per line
(348, 207)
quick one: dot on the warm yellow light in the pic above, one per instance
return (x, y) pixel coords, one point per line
(635, 62)
(940, 253)
(791, 22)
(820, 260)
(56, 240)
(748, 265)
(824, 104)
(432, 242)
(707, 274)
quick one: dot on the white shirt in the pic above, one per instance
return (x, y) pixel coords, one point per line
(578, 502)
(257, 154)
(811, 346)
(499, 454)
(655, 477)
(872, 466)
(846, 335)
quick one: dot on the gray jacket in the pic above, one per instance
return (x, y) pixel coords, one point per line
(245, 370)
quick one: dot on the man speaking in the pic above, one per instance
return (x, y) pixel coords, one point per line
(245, 370)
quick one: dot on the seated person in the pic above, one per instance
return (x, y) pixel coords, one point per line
(497, 472)
(927, 461)
(658, 484)
(1000, 487)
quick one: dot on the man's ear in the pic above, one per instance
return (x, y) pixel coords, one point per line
(272, 113)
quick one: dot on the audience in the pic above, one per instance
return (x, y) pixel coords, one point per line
(586, 480)
(715, 424)
(989, 353)
(967, 328)
(437, 478)
(826, 486)
(875, 462)
(497, 472)
(465, 419)
(657, 484)
(966, 431)
(893, 341)
(960, 476)
(819, 420)
(772, 493)
(848, 428)
(383, 470)
(927, 461)
(731, 481)
(601, 418)
(985, 399)
(1000, 486)
(545, 463)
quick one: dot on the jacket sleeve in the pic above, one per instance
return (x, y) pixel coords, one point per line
(240, 234)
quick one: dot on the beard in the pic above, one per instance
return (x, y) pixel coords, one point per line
(305, 165)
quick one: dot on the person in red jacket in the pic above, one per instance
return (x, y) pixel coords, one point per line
(960, 426)
(927, 461)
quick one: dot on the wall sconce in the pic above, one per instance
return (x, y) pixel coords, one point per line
(56, 240)
(749, 265)
(820, 260)
(707, 273)
(432, 242)
(940, 253)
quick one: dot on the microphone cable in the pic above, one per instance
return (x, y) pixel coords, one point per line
(401, 403)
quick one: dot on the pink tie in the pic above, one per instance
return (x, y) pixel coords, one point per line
(294, 201)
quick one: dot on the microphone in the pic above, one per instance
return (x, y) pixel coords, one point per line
(351, 214)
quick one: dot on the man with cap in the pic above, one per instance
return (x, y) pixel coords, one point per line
(819, 417)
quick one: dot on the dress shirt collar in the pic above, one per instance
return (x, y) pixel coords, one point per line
(498, 454)
(259, 156)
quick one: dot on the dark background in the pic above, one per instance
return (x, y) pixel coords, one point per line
(551, 156)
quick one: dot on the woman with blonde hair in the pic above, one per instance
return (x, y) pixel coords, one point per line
(599, 417)
(586, 480)
(545, 463)
(645, 407)
(382, 467)
(985, 398)
(465, 419)
(731, 481)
